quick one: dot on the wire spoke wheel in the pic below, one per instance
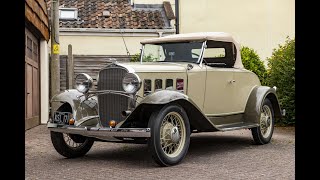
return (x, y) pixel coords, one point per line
(263, 133)
(70, 145)
(172, 134)
(266, 121)
(70, 142)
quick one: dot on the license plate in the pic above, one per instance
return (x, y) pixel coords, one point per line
(62, 117)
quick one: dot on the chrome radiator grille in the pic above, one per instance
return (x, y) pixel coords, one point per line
(111, 105)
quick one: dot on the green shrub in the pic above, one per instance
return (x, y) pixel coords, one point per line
(281, 73)
(148, 58)
(252, 62)
(135, 57)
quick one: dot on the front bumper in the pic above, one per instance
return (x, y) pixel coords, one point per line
(100, 132)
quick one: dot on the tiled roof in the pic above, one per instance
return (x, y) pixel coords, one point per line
(168, 10)
(122, 15)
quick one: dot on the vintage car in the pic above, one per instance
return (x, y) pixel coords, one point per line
(184, 83)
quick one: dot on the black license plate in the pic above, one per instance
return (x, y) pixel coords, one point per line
(62, 117)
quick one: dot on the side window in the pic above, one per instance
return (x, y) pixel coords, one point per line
(214, 53)
(219, 54)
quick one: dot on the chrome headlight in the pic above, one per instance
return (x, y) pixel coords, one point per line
(131, 83)
(83, 82)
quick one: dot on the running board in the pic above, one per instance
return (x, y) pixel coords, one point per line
(235, 126)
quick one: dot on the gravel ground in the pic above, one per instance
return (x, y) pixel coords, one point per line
(217, 155)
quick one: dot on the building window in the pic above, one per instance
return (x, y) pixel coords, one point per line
(68, 13)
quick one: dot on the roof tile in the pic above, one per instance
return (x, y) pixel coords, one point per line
(122, 15)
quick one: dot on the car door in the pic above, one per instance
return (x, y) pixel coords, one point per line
(197, 84)
(219, 92)
(220, 83)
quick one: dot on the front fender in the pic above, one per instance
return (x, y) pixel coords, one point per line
(157, 100)
(163, 97)
(80, 106)
(254, 103)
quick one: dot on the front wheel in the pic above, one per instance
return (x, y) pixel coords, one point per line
(170, 135)
(263, 133)
(70, 145)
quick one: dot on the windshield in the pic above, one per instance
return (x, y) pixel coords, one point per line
(172, 52)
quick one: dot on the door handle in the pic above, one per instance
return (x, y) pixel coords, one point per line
(232, 81)
(28, 93)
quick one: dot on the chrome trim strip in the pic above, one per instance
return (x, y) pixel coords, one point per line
(102, 132)
(99, 92)
(82, 120)
(237, 128)
(224, 114)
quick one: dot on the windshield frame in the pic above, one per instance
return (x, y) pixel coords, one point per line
(198, 61)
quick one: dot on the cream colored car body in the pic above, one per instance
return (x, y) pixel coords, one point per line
(183, 83)
(216, 91)
(215, 98)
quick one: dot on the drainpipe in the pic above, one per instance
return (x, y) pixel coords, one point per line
(177, 15)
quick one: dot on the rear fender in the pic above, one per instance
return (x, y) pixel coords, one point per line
(254, 103)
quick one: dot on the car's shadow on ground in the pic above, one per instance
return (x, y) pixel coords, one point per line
(201, 147)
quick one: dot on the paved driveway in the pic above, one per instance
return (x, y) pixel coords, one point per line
(218, 155)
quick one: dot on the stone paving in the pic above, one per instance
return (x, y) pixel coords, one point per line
(217, 155)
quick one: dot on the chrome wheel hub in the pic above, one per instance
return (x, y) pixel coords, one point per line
(175, 135)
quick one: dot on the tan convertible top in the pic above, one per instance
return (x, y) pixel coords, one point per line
(200, 36)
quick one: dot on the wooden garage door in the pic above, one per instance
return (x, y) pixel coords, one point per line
(32, 98)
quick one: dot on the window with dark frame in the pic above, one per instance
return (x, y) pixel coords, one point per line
(220, 54)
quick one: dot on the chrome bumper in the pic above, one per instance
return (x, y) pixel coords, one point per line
(100, 132)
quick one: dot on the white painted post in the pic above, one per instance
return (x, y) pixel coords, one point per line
(44, 82)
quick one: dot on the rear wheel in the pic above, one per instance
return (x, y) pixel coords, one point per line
(70, 145)
(263, 133)
(170, 135)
